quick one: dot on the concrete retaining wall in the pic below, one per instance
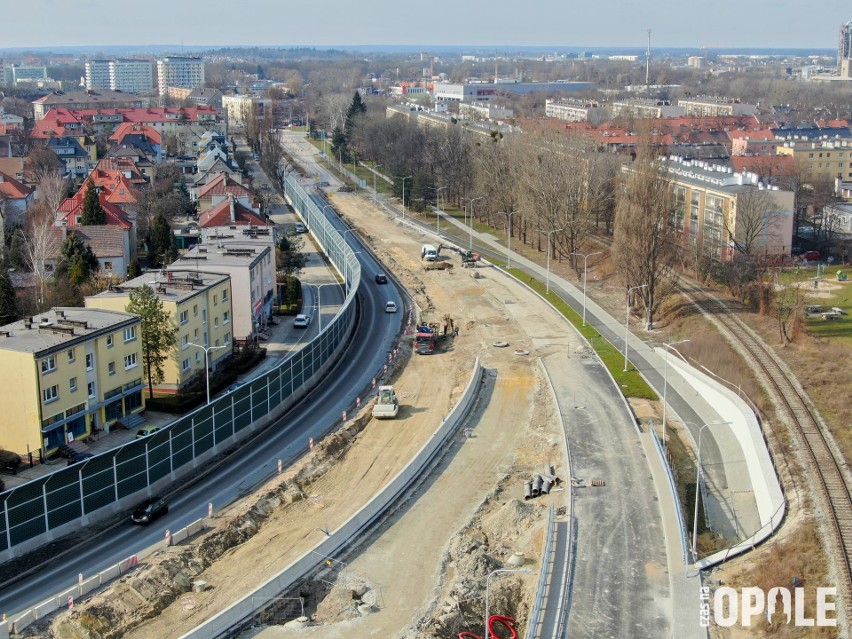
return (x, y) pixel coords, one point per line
(340, 538)
(768, 495)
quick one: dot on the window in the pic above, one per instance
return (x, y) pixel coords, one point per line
(197, 357)
(72, 384)
(185, 365)
(184, 317)
(129, 361)
(50, 394)
(227, 338)
(48, 365)
(215, 300)
(215, 322)
(109, 341)
(130, 334)
(107, 266)
(226, 317)
(90, 361)
(225, 295)
(195, 333)
(70, 355)
(91, 389)
(111, 368)
(204, 315)
(184, 341)
(195, 310)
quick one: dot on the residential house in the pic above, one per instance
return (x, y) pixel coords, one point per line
(67, 372)
(75, 160)
(219, 188)
(251, 268)
(70, 216)
(144, 137)
(15, 200)
(108, 243)
(199, 306)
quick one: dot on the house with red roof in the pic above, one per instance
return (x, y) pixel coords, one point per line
(219, 188)
(753, 142)
(15, 199)
(230, 214)
(70, 216)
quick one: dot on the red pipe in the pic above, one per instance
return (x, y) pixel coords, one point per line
(506, 622)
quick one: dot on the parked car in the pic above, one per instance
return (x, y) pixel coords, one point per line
(9, 461)
(148, 430)
(390, 307)
(302, 321)
(345, 189)
(811, 256)
(149, 510)
(300, 228)
(381, 278)
(323, 183)
(76, 458)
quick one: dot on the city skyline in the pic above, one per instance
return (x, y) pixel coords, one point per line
(551, 23)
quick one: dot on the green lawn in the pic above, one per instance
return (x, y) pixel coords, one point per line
(632, 384)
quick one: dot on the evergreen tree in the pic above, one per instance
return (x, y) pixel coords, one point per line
(161, 243)
(158, 334)
(93, 212)
(133, 269)
(8, 300)
(76, 262)
(339, 145)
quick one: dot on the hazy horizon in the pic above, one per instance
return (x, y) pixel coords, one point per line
(753, 24)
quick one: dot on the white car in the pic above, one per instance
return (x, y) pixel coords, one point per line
(298, 227)
(302, 321)
(390, 307)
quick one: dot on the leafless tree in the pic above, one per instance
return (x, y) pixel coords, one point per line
(53, 188)
(788, 302)
(644, 248)
(332, 110)
(754, 223)
(41, 243)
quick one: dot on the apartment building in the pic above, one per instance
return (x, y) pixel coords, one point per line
(131, 76)
(66, 372)
(97, 75)
(238, 107)
(646, 108)
(709, 197)
(199, 305)
(821, 159)
(77, 100)
(484, 111)
(712, 106)
(251, 268)
(574, 110)
(176, 71)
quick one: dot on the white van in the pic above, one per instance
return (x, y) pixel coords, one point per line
(428, 253)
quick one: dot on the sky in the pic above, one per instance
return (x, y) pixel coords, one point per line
(714, 24)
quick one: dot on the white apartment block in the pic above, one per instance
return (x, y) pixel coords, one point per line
(131, 76)
(484, 111)
(179, 72)
(237, 107)
(572, 110)
(97, 74)
(709, 106)
(646, 108)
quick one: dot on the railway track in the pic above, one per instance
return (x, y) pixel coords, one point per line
(825, 461)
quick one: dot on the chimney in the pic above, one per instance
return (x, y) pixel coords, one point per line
(233, 211)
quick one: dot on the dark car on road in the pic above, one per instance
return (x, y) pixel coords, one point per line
(149, 510)
(381, 278)
(76, 458)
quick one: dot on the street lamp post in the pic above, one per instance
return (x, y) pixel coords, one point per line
(666, 386)
(470, 231)
(585, 263)
(206, 350)
(488, 583)
(438, 215)
(375, 192)
(407, 177)
(627, 320)
(509, 240)
(698, 477)
(547, 277)
(319, 305)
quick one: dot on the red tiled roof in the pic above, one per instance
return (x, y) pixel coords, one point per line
(113, 184)
(223, 185)
(73, 206)
(130, 128)
(220, 215)
(13, 189)
(124, 165)
(753, 134)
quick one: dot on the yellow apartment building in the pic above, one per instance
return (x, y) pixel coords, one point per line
(200, 306)
(821, 159)
(66, 372)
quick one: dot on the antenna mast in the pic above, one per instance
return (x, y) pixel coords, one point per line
(648, 61)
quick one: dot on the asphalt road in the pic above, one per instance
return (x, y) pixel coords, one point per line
(256, 461)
